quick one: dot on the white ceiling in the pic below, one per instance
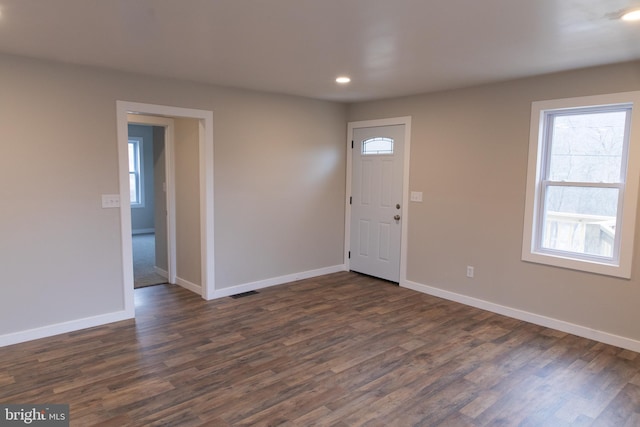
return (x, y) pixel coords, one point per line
(388, 47)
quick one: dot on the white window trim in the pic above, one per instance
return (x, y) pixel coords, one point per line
(139, 141)
(629, 199)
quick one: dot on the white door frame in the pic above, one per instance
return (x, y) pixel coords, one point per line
(170, 177)
(406, 121)
(123, 109)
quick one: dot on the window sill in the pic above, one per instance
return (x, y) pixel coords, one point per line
(606, 269)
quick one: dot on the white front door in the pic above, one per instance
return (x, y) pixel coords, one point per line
(376, 204)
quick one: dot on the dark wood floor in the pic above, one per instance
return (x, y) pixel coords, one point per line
(340, 350)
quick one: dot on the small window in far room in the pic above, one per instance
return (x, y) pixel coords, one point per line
(135, 172)
(378, 145)
(582, 183)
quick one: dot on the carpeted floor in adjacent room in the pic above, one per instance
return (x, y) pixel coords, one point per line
(144, 259)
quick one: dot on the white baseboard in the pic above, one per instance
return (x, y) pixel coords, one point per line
(560, 325)
(260, 284)
(143, 231)
(188, 285)
(64, 327)
(90, 322)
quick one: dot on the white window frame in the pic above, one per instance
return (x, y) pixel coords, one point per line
(620, 265)
(138, 142)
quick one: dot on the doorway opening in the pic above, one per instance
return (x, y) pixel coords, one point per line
(151, 183)
(201, 124)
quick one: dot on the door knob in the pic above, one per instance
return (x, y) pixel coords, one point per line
(396, 217)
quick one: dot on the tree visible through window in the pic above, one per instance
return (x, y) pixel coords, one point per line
(582, 187)
(135, 171)
(578, 194)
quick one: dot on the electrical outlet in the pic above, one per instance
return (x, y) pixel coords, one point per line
(469, 271)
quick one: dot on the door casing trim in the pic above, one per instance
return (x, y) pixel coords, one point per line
(351, 126)
(205, 118)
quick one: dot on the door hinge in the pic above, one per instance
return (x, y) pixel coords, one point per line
(350, 200)
(352, 144)
(349, 254)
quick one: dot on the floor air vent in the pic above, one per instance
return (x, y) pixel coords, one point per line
(244, 294)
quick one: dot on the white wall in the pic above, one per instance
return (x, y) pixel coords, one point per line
(469, 158)
(279, 186)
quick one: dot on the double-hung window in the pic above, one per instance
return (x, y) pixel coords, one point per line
(136, 188)
(582, 183)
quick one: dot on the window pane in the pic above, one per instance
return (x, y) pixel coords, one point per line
(377, 146)
(587, 147)
(580, 220)
(133, 187)
(132, 157)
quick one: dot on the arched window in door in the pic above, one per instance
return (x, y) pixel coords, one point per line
(379, 145)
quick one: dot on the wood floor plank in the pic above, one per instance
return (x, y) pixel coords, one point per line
(337, 350)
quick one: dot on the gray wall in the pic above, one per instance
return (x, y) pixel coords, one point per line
(160, 196)
(469, 157)
(143, 218)
(279, 190)
(187, 200)
(279, 185)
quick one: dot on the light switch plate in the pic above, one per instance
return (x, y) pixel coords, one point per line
(110, 201)
(416, 196)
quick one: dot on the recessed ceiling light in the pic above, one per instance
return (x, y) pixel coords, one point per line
(633, 15)
(343, 80)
